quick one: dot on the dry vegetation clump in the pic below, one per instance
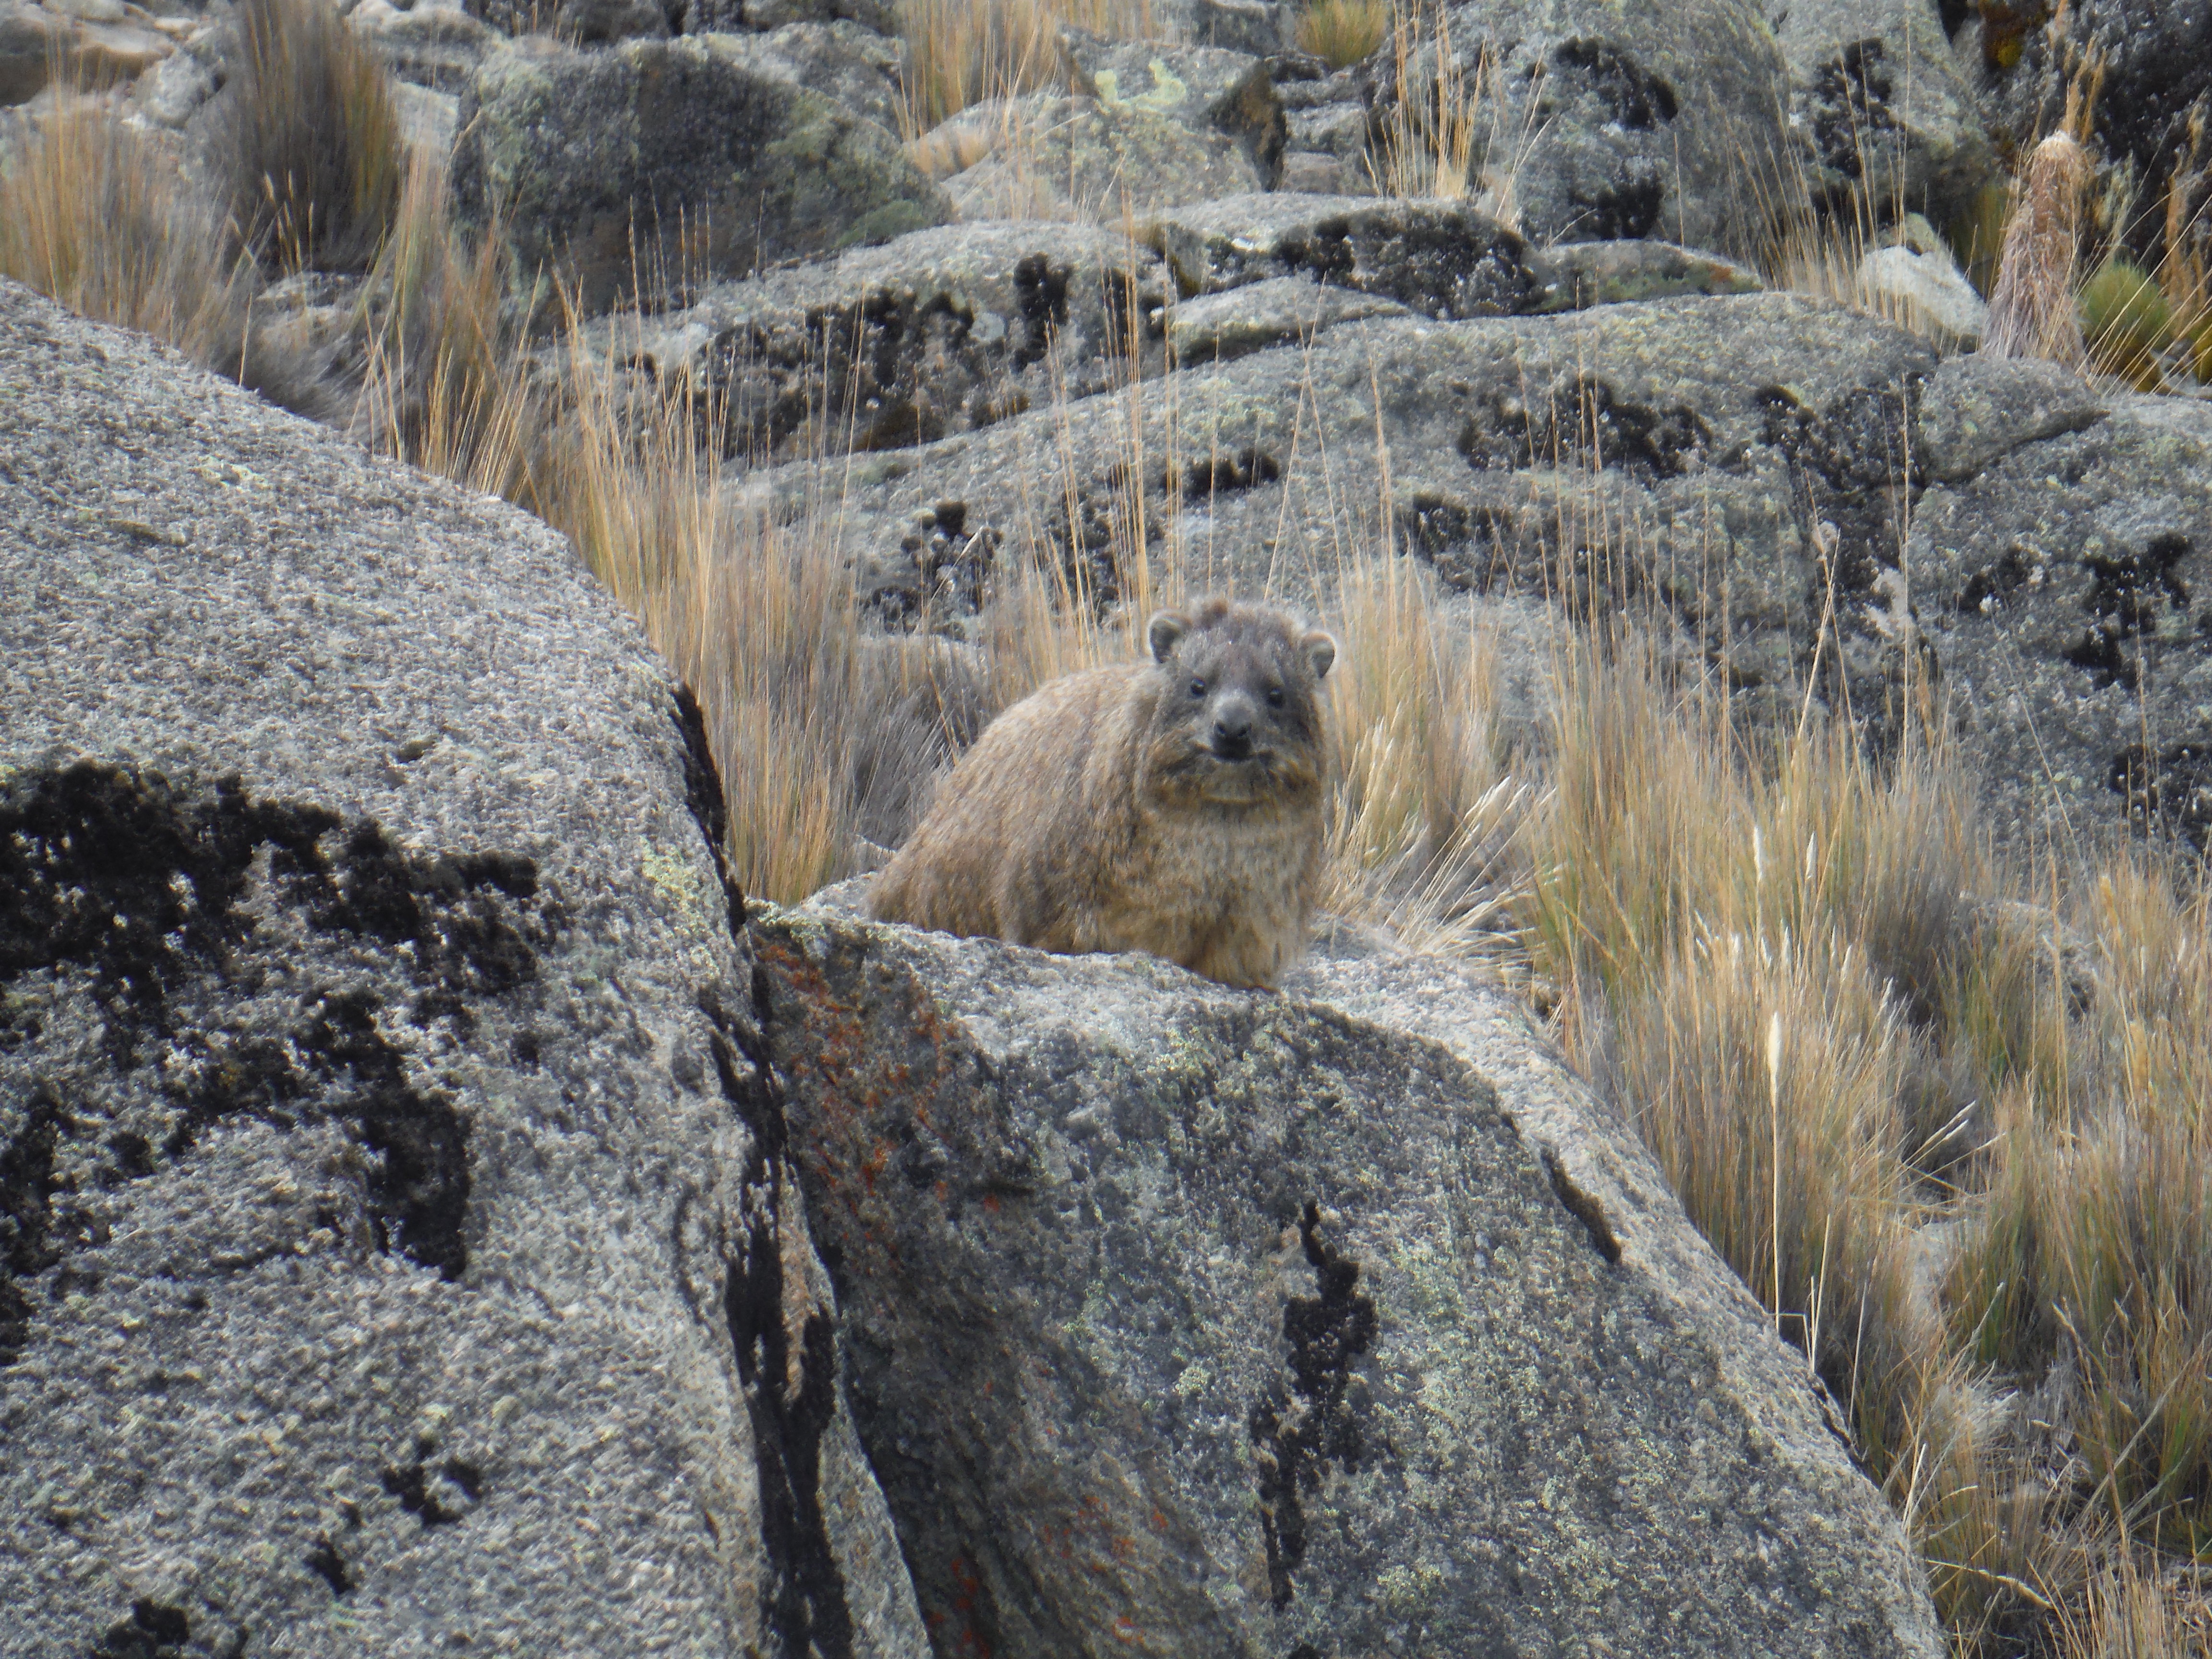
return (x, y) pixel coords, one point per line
(307, 143)
(1343, 33)
(960, 52)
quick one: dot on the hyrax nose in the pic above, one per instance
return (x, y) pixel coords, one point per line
(1232, 728)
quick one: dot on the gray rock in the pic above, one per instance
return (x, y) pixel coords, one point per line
(428, 119)
(1046, 155)
(1261, 27)
(1338, 130)
(672, 162)
(1670, 460)
(173, 90)
(1185, 1320)
(2062, 585)
(878, 17)
(1975, 409)
(1574, 276)
(1879, 107)
(396, 1248)
(939, 332)
(439, 47)
(31, 38)
(1926, 287)
(1280, 311)
(1199, 86)
(1443, 258)
(1607, 119)
(841, 60)
(1309, 173)
(606, 22)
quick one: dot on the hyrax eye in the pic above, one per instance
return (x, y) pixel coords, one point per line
(1274, 696)
(1197, 688)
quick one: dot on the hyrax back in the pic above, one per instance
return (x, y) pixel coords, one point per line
(1176, 806)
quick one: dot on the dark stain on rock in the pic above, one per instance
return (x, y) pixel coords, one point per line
(1627, 208)
(1583, 422)
(1469, 547)
(1445, 267)
(155, 1630)
(2169, 791)
(1040, 293)
(327, 1564)
(1989, 590)
(2125, 597)
(418, 1197)
(704, 798)
(1851, 97)
(1294, 1442)
(1226, 472)
(27, 1189)
(436, 1497)
(1636, 99)
(1583, 1207)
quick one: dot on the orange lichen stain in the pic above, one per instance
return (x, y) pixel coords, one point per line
(1125, 1629)
(1159, 1521)
(991, 1202)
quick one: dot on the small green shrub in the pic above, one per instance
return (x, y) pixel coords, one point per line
(2127, 322)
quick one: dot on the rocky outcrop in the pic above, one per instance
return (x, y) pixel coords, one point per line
(1187, 1320)
(1050, 156)
(1203, 88)
(1604, 119)
(666, 164)
(939, 332)
(2062, 572)
(93, 43)
(398, 1247)
(1881, 108)
(1673, 460)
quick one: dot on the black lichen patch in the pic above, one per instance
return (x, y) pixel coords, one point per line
(1852, 94)
(704, 797)
(27, 1189)
(2169, 793)
(418, 1197)
(1469, 547)
(1447, 268)
(128, 891)
(2126, 599)
(1041, 296)
(1636, 99)
(437, 1497)
(154, 1631)
(327, 1564)
(1987, 591)
(1583, 423)
(1295, 1440)
(1227, 471)
(1583, 1207)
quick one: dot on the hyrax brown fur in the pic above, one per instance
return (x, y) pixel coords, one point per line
(1176, 806)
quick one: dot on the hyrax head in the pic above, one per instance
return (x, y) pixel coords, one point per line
(1239, 715)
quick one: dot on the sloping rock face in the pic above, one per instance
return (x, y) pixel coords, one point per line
(663, 164)
(2066, 582)
(1607, 118)
(1675, 457)
(941, 332)
(1186, 1321)
(1046, 155)
(1882, 106)
(398, 1253)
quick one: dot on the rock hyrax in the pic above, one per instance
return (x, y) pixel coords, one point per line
(1176, 806)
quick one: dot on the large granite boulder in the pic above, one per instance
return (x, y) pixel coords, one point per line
(398, 1250)
(2061, 569)
(1881, 108)
(1203, 88)
(939, 332)
(1186, 1321)
(661, 165)
(1605, 120)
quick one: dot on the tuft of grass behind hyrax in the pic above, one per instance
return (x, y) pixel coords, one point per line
(2031, 313)
(305, 140)
(1342, 32)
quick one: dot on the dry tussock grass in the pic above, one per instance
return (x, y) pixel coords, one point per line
(960, 52)
(1343, 31)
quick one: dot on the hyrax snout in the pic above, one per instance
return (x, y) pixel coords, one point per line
(1176, 807)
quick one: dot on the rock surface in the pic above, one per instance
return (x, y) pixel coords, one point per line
(1198, 86)
(672, 163)
(1607, 119)
(1880, 107)
(1049, 156)
(395, 1248)
(939, 332)
(1185, 1321)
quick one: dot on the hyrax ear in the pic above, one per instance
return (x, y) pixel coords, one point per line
(1165, 628)
(1320, 652)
